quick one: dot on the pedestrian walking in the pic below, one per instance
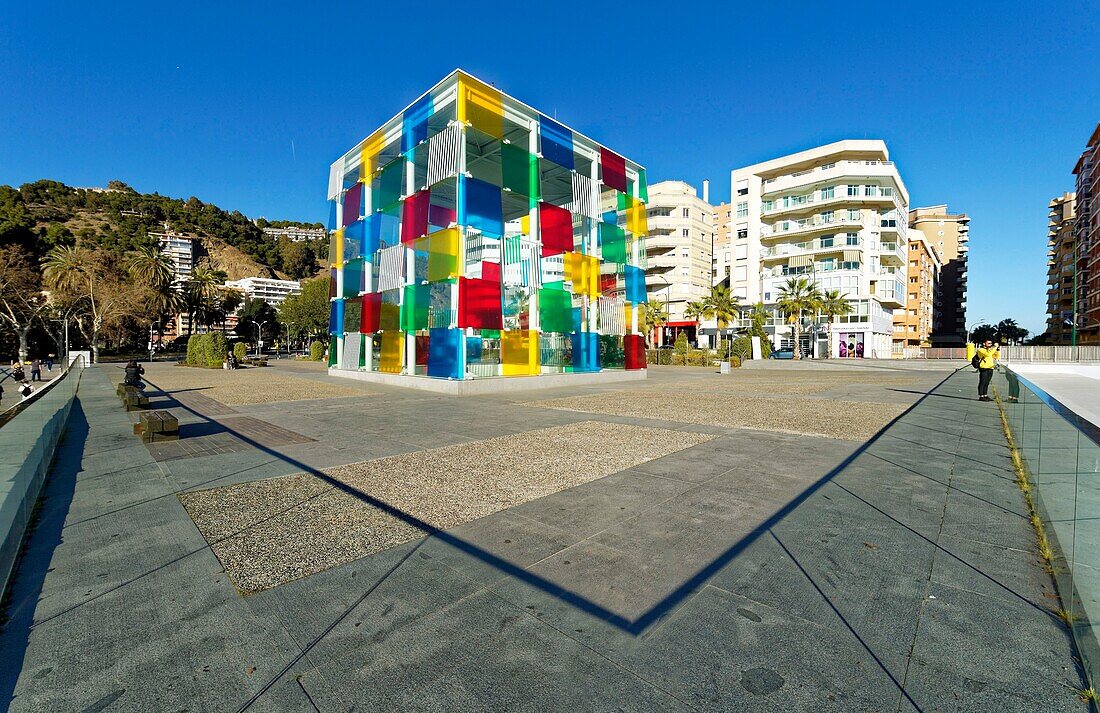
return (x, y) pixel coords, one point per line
(25, 389)
(36, 370)
(49, 362)
(985, 358)
(17, 372)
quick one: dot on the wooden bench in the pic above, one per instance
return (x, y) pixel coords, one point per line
(155, 426)
(256, 361)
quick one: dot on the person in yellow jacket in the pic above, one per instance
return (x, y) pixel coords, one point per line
(987, 356)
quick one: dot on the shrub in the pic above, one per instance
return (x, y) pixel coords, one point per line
(194, 349)
(316, 351)
(240, 350)
(216, 350)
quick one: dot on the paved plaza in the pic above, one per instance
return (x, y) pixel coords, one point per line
(819, 537)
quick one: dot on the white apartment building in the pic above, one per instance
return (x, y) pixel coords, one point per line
(273, 292)
(679, 248)
(837, 215)
(297, 235)
(180, 250)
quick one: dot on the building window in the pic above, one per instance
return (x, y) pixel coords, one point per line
(742, 233)
(853, 214)
(869, 190)
(687, 213)
(743, 209)
(853, 190)
(827, 241)
(887, 191)
(743, 191)
(827, 165)
(852, 239)
(685, 232)
(767, 206)
(827, 217)
(827, 192)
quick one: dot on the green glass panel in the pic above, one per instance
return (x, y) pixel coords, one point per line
(555, 311)
(613, 243)
(520, 170)
(390, 184)
(490, 334)
(559, 285)
(414, 308)
(332, 351)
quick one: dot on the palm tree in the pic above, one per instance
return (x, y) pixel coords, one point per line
(695, 310)
(722, 305)
(202, 290)
(151, 267)
(651, 317)
(796, 296)
(834, 305)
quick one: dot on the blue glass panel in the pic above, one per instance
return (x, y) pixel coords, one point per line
(444, 350)
(586, 351)
(331, 215)
(578, 319)
(474, 349)
(371, 236)
(353, 239)
(336, 317)
(557, 142)
(414, 123)
(635, 284)
(480, 206)
(388, 227)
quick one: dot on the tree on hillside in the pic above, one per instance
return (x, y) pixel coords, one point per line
(797, 296)
(307, 313)
(16, 222)
(299, 260)
(22, 303)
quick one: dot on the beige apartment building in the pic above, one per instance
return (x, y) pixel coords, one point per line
(723, 214)
(1062, 277)
(949, 235)
(835, 214)
(679, 250)
(913, 325)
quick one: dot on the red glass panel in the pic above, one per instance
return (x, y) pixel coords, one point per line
(556, 228)
(614, 169)
(414, 216)
(369, 320)
(634, 351)
(479, 304)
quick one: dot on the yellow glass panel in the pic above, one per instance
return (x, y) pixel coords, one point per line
(635, 217)
(480, 105)
(337, 252)
(443, 246)
(592, 276)
(519, 352)
(525, 225)
(628, 311)
(369, 162)
(393, 352)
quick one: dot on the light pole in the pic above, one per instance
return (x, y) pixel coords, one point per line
(259, 336)
(971, 329)
(288, 338)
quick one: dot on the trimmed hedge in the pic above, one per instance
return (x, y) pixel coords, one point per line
(216, 349)
(316, 351)
(195, 350)
(240, 350)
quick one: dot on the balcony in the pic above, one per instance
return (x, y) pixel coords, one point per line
(808, 226)
(892, 252)
(832, 171)
(890, 293)
(841, 197)
(813, 247)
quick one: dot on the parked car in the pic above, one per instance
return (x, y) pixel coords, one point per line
(782, 354)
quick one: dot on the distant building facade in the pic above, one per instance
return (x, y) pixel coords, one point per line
(297, 235)
(949, 234)
(679, 249)
(723, 256)
(273, 292)
(913, 325)
(180, 251)
(1086, 231)
(1063, 282)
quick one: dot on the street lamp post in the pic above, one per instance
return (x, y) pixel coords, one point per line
(288, 326)
(971, 328)
(259, 336)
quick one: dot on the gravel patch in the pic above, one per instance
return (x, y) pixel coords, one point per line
(246, 386)
(273, 531)
(847, 420)
(804, 382)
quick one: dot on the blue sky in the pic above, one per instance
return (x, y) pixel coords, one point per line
(984, 106)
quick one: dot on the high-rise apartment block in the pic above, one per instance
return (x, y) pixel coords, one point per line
(1063, 280)
(836, 215)
(478, 237)
(913, 325)
(949, 235)
(1086, 231)
(679, 247)
(723, 256)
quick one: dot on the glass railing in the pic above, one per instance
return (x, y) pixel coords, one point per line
(29, 432)
(1060, 458)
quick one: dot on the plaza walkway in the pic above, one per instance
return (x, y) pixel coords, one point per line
(756, 570)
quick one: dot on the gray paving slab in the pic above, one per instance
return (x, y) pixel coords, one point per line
(759, 571)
